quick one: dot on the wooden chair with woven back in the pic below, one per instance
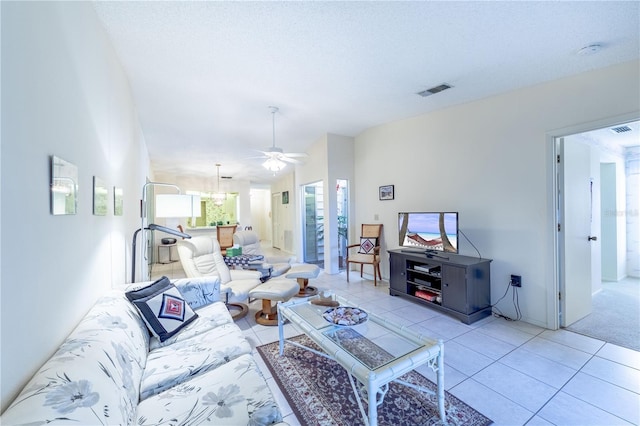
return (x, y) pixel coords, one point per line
(225, 236)
(368, 250)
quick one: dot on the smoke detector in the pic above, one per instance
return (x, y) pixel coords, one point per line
(434, 90)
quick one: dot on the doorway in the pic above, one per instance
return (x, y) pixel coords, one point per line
(597, 189)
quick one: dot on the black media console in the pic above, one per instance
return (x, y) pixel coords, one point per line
(451, 283)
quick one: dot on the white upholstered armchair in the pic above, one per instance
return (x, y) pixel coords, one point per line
(281, 265)
(250, 244)
(201, 256)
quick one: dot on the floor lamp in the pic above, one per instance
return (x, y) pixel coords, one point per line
(168, 205)
(151, 227)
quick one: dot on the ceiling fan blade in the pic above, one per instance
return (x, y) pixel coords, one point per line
(273, 150)
(295, 154)
(289, 160)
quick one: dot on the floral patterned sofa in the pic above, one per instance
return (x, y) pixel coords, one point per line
(115, 369)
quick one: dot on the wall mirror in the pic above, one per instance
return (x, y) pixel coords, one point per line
(100, 197)
(64, 187)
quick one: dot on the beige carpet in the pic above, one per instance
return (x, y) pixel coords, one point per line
(615, 315)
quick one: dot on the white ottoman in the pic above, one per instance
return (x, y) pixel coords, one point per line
(302, 273)
(278, 290)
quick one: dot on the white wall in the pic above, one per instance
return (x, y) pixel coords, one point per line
(632, 171)
(63, 93)
(340, 151)
(490, 160)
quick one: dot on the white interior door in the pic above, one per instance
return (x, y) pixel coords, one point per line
(575, 231)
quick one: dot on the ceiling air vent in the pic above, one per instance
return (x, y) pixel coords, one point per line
(434, 90)
(620, 129)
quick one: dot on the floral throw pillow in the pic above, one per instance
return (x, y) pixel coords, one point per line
(162, 308)
(367, 245)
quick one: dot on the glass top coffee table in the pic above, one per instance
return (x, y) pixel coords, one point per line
(370, 348)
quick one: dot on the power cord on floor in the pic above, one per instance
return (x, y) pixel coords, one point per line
(516, 304)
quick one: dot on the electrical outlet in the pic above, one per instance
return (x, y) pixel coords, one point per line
(516, 280)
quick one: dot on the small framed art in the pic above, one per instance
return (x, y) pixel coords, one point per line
(100, 197)
(285, 197)
(386, 192)
(117, 201)
(63, 186)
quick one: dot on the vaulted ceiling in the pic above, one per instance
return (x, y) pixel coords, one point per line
(203, 74)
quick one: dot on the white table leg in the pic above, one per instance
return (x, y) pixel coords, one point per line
(280, 330)
(372, 394)
(443, 415)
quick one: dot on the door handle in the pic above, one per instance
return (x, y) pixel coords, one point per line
(592, 238)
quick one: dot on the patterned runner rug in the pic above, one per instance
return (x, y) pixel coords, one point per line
(319, 392)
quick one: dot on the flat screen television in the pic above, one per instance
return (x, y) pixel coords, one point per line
(429, 231)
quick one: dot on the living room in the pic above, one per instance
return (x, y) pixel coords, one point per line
(65, 93)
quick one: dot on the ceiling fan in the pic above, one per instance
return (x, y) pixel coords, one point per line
(276, 158)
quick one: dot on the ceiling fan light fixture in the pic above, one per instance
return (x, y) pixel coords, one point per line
(274, 165)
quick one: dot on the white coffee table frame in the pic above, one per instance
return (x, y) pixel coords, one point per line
(374, 381)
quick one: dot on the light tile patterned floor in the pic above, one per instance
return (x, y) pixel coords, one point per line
(512, 372)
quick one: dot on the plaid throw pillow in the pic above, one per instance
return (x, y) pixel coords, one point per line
(367, 245)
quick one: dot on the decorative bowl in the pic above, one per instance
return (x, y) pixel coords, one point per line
(345, 316)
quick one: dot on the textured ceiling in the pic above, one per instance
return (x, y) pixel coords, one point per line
(203, 74)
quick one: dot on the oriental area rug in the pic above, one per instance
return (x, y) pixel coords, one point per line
(319, 392)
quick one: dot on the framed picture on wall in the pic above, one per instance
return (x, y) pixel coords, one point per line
(63, 187)
(100, 197)
(386, 192)
(117, 201)
(285, 197)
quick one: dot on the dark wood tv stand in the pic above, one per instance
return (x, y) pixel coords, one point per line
(457, 285)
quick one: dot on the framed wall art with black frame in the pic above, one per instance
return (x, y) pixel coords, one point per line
(386, 192)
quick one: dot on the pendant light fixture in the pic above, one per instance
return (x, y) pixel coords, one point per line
(218, 197)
